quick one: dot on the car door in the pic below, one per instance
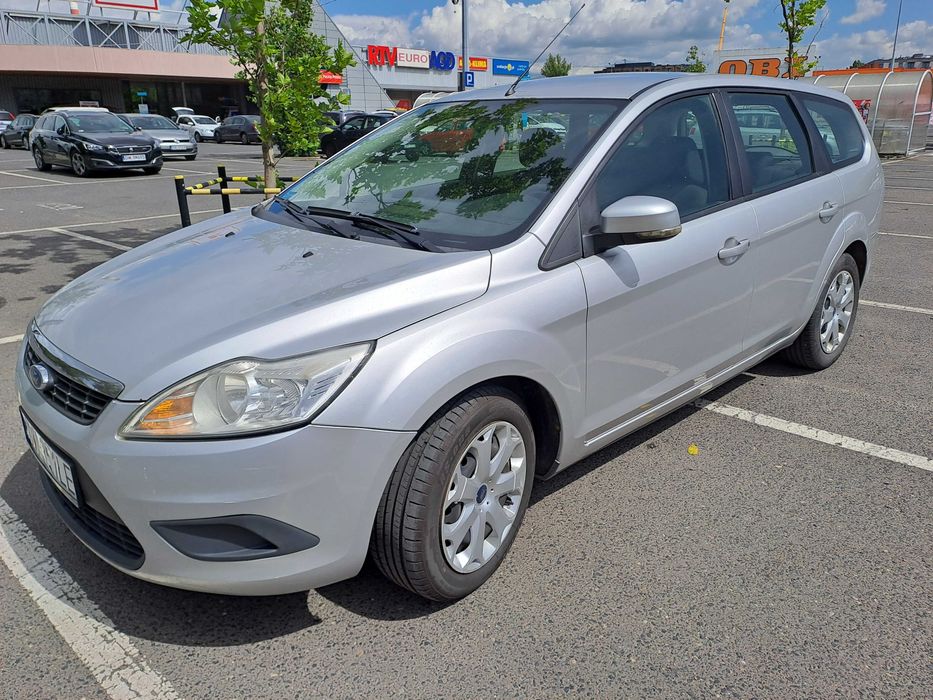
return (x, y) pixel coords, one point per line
(26, 124)
(795, 203)
(665, 315)
(58, 147)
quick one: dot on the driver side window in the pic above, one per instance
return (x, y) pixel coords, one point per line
(676, 152)
(353, 124)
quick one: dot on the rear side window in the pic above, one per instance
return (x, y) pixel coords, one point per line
(773, 138)
(839, 129)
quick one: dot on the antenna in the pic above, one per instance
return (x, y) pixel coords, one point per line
(525, 72)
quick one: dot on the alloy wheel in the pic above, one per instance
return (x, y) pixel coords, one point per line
(78, 164)
(244, 139)
(483, 497)
(37, 156)
(837, 311)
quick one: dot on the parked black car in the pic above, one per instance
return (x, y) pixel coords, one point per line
(354, 128)
(340, 116)
(17, 131)
(87, 140)
(242, 128)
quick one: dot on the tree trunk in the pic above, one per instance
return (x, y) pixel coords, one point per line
(268, 165)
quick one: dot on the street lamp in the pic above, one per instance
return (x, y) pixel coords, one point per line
(464, 51)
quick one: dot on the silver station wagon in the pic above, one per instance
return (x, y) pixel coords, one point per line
(381, 360)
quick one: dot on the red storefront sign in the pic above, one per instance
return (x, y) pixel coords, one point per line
(328, 78)
(480, 64)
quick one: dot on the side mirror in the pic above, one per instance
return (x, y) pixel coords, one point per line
(636, 219)
(62, 130)
(137, 128)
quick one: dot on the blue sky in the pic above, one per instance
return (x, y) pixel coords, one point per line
(611, 30)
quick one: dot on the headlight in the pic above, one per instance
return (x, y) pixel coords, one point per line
(94, 146)
(248, 396)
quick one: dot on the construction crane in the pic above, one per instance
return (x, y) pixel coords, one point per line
(722, 31)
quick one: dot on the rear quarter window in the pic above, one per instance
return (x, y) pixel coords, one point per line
(838, 128)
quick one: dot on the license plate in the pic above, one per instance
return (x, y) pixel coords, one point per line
(179, 147)
(134, 158)
(56, 467)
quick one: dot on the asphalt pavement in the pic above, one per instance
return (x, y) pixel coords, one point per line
(792, 556)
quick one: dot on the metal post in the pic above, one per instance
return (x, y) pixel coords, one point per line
(182, 200)
(461, 80)
(896, 29)
(224, 199)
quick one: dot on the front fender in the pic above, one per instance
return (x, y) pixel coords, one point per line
(533, 328)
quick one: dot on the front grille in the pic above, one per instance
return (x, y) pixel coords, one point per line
(110, 538)
(134, 149)
(74, 400)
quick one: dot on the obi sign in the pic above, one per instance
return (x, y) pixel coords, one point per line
(398, 57)
(769, 63)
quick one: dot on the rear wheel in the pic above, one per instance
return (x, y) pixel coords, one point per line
(40, 161)
(329, 150)
(79, 164)
(3, 142)
(828, 331)
(457, 497)
(244, 139)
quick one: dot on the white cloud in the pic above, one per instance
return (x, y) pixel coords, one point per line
(838, 51)
(865, 10)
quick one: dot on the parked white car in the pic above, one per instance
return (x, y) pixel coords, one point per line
(199, 126)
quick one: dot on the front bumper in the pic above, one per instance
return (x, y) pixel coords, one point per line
(102, 161)
(322, 480)
(181, 153)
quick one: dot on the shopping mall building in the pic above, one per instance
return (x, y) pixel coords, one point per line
(123, 59)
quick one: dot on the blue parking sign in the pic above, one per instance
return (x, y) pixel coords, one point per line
(469, 79)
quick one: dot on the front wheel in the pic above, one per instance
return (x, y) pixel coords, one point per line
(828, 331)
(4, 143)
(244, 139)
(457, 497)
(79, 165)
(197, 137)
(154, 170)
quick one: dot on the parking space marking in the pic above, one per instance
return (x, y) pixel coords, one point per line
(824, 436)
(110, 223)
(11, 339)
(29, 177)
(890, 201)
(81, 236)
(897, 187)
(896, 307)
(185, 170)
(903, 235)
(110, 655)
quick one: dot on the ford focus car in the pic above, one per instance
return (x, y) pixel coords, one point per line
(383, 359)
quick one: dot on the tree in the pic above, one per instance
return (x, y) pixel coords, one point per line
(281, 61)
(694, 64)
(857, 64)
(555, 66)
(799, 15)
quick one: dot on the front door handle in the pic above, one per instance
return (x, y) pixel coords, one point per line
(734, 248)
(828, 211)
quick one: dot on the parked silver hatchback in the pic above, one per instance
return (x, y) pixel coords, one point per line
(382, 359)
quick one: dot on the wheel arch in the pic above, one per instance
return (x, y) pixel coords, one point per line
(859, 252)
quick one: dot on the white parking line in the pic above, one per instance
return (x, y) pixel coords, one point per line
(11, 339)
(903, 235)
(896, 307)
(81, 236)
(110, 656)
(824, 436)
(109, 223)
(28, 177)
(898, 187)
(887, 201)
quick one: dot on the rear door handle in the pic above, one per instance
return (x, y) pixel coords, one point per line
(734, 248)
(828, 211)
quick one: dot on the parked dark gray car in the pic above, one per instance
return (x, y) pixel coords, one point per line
(16, 134)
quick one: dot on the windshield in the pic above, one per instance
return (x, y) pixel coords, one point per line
(152, 121)
(203, 120)
(97, 122)
(468, 175)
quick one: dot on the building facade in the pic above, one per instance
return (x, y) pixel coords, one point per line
(916, 61)
(643, 67)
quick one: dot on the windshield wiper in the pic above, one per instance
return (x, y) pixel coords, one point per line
(302, 215)
(395, 229)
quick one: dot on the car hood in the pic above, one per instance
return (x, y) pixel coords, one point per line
(116, 138)
(168, 133)
(238, 286)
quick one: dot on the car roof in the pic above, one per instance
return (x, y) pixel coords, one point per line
(76, 109)
(628, 85)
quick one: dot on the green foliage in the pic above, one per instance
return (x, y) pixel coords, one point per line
(280, 59)
(694, 63)
(798, 16)
(555, 65)
(857, 64)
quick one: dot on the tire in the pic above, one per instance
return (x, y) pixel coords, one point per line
(329, 150)
(817, 346)
(4, 143)
(40, 161)
(197, 137)
(79, 165)
(409, 542)
(244, 139)
(153, 170)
